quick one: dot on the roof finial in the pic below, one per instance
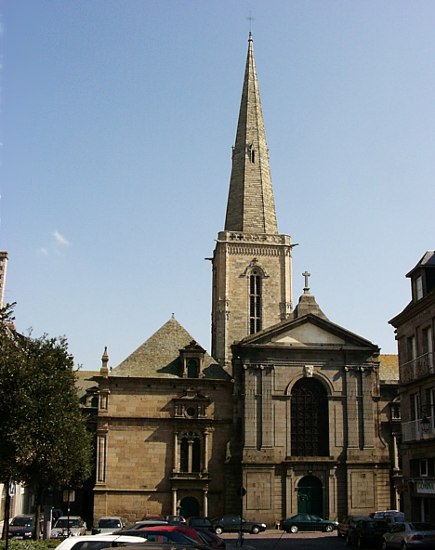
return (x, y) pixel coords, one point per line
(306, 276)
(104, 371)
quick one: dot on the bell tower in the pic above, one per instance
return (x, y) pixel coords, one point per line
(252, 280)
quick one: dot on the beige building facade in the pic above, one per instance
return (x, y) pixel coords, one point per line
(415, 327)
(289, 413)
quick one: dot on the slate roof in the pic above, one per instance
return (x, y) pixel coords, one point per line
(388, 367)
(427, 261)
(159, 356)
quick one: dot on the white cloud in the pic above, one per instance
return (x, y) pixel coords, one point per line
(60, 239)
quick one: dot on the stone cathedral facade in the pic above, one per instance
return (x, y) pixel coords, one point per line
(289, 413)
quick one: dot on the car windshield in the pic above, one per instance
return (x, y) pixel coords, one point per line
(22, 522)
(108, 523)
(63, 522)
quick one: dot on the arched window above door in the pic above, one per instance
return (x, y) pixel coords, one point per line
(309, 419)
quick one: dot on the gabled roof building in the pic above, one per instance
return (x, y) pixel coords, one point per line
(288, 414)
(415, 327)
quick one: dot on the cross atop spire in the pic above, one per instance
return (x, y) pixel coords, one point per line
(251, 205)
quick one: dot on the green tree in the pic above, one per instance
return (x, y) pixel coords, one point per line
(43, 438)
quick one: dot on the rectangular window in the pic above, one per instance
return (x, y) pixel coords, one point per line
(419, 288)
(426, 336)
(423, 467)
(410, 348)
(429, 405)
(414, 406)
(254, 303)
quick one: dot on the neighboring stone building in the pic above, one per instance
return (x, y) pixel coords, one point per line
(164, 422)
(415, 338)
(290, 407)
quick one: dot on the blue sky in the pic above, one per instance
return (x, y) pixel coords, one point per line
(117, 121)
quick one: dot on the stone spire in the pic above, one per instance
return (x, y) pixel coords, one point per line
(251, 206)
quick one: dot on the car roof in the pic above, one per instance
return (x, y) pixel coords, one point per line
(160, 528)
(70, 542)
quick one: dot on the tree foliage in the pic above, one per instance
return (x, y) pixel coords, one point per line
(43, 437)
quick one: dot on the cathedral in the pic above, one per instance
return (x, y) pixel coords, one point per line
(288, 413)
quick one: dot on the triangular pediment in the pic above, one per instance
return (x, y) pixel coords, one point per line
(308, 331)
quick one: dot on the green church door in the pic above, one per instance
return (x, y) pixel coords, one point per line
(310, 499)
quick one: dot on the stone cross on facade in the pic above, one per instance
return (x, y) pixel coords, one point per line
(306, 275)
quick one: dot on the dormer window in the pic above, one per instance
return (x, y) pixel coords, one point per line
(192, 360)
(419, 287)
(192, 368)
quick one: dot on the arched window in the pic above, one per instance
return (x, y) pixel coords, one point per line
(190, 452)
(254, 302)
(309, 419)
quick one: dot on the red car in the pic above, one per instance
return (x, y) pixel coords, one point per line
(166, 533)
(202, 536)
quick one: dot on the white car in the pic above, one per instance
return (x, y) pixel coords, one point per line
(108, 525)
(68, 526)
(97, 542)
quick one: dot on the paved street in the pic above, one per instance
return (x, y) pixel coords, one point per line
(278, 540)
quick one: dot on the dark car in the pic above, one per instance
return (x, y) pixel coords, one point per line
(22, 527)
(367, 532)
(200, 523)
(307, 522)
(348, 523)
(390, 516)
(234, 523)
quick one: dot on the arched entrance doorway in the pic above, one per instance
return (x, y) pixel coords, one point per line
(310, 496)
(189, 507)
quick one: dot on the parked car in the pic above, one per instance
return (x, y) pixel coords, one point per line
(97, 542)
(22, 527)
(143, 523)
(71, 526)
(175, 520)
(200, 523)
(234, 523)
(166, 546)
(202, 536)
(107, 525)
(367, 532)
(56, 513)
(348, 523)
(163, 533)
(409, 535)
(390, 516)
(211, 538)
(307, 522)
